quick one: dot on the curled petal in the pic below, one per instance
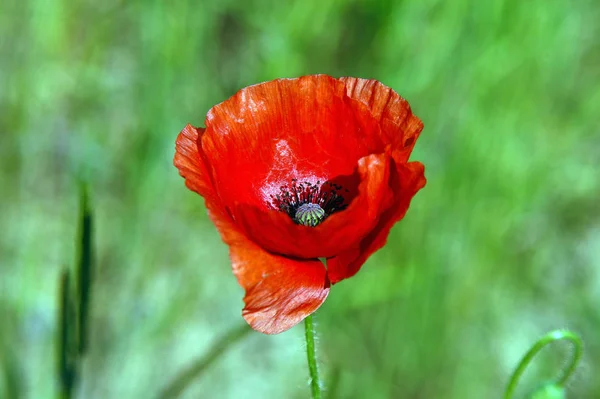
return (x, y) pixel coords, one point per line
(406, 181)
(190, 161)
(280, 292)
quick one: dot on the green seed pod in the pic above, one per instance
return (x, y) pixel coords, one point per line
(309, 215)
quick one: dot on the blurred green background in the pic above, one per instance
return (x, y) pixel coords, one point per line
(502, 245)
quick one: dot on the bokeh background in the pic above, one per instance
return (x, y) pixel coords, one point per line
(501, 246)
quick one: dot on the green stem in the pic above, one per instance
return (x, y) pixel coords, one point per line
(315, 384)
(553, 336)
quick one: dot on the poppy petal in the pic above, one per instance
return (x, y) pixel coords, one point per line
(278, 233)
(398, 124)
(280, 292)
(190, 162)
(266, 134)
(407, 180)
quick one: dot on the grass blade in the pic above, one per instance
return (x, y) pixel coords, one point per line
(194, 371)
(66, 371)
(84, 271)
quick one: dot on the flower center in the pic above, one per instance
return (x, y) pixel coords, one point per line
(309, 215)
(308, 204)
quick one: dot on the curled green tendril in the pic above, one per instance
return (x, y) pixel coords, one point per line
(551, 337)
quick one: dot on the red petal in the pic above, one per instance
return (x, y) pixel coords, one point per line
(301, 128)
(408, 179)
(277, 233)
(190, 162)
(280, 292)
(398, 124)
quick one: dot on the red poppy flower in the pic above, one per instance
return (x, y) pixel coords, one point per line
(294, 170)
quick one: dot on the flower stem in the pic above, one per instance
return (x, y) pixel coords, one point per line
(315, 384)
